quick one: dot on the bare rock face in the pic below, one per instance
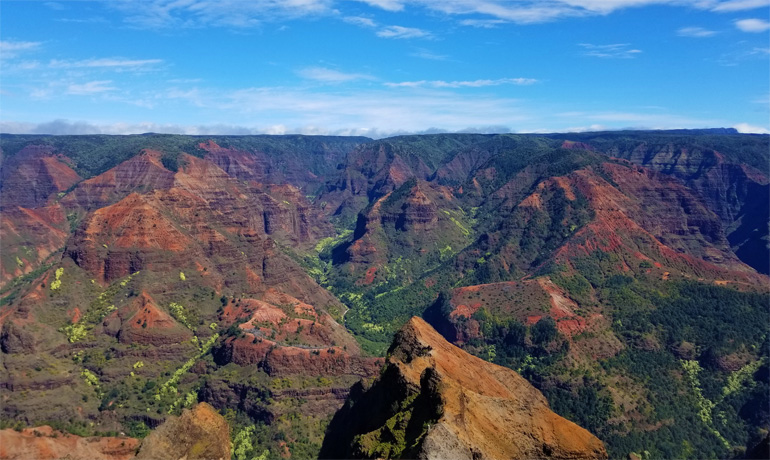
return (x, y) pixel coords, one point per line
(44, 443)
(434, 400)
(199, 433)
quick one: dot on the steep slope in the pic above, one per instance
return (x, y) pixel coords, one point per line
(199, 219)
(28, 237)
(377, 168)
(32, 226)
(141, 173)
(30, 178)
(435, 401)
(416, 218)
(728, 172)
(610, 207)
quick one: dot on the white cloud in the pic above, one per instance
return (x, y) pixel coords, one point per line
(613, 51)
(695, 32)
(388, 5)
(752, 25)
(462, 84)
(740, 5)
(360, 21)
(325, 75)
(92, 87)
(747, 128)
(11, 49)
(402, 32)
(113, 63)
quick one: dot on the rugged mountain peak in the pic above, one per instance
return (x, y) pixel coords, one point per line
(199, 433)
(434, 400)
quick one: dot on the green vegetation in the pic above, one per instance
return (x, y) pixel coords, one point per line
(56, 283)
(92, 380)
(242, 447)
(179, 312)
(96, 312)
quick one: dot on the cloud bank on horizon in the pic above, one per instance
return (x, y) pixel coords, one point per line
(382, 67)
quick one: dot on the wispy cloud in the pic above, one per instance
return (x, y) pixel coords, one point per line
(483, 23)
(360, 21)
(252, 13)
(218, 13)
(55, 6)
(740, 5)
(92, 20)
(613, 51)
(427, 54)
(753, 25)
(695, 32)
(112, 63)
(462, 84)
(325, 75)
(402, 32)
(534, 11)
(11, 49)
(388, 5)
(734, 58)
(92, 87)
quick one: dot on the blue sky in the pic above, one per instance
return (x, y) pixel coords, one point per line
(382, 67)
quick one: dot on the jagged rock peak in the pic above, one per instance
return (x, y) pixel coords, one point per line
(435, 401)
(199, 433)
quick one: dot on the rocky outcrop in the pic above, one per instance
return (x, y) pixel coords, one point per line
(14, 339)
(45, 443)
(143, 322)
(433, 401)
(199, 433)
(279, 361)
(284, 336)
